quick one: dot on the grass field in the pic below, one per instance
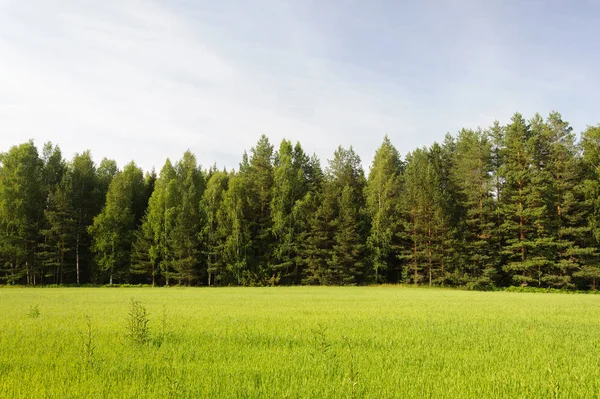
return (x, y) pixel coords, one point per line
(308, 342)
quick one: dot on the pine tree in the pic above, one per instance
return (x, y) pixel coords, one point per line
(426, 208)
(589, 270)
(566, 208)
(525, 218)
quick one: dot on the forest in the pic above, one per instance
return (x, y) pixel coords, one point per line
(511, 205)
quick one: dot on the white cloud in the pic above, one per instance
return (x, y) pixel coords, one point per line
(144, 80)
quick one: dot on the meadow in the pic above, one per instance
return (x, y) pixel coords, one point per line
(297, 342)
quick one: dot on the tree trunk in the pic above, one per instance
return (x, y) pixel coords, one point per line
(153, 276)
(77, 257)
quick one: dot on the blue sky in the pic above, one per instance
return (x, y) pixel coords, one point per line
(146, 80)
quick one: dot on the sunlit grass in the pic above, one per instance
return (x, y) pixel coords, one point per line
(309, 342)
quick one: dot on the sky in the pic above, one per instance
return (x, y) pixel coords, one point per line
(146, 80)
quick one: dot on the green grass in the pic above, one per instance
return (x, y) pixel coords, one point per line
(301, 342)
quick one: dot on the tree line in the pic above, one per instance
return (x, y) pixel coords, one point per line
(514, 204)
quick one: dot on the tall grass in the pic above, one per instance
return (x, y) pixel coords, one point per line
(299, 342)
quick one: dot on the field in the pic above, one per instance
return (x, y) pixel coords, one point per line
(301, 342)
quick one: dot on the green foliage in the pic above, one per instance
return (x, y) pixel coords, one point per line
(515, 204)
(382, 192)
(21, 210)
(89, 342)
(379, 342)
(34, 311)
(472, 176)
(213, 233)
(427, 217)
(113, 229)
(137, 327)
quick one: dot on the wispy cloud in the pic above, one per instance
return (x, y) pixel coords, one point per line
(145, 80)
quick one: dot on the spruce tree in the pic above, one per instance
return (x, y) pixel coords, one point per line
(471, 174)
(413, 202)
(345, 182)
(258, 182)
(290, 185)
(312, 217)
(184, 237)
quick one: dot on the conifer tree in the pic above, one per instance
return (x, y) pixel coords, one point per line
(258, 182)
(566, 207)
(589, 270)
(495, 135)
(344, 200)
(413, 200)
(290, 185)
(471, 174)
(443, 213)
(528, 245)
(427, 225)
(184, 237)
(312, 216)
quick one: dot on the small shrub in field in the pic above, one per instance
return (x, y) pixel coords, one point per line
(138, 329)
(88, 342)
(160, 338)
(34, 311)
